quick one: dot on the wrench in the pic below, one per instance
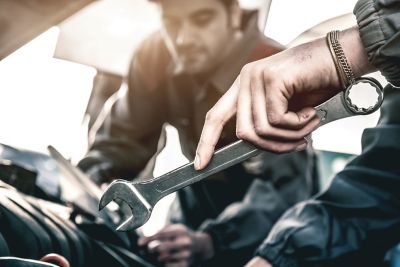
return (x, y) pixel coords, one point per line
(142, 196)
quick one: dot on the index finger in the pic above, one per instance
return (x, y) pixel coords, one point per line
(278, 114)
(215, 120)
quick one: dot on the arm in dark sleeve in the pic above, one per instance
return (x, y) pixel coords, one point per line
(357, 218)
(379, 25)
(242, 226)
(129, 134)
(352, 223)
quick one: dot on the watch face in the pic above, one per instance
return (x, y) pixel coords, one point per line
(364, 96)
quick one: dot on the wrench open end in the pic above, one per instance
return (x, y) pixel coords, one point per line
(125, 191)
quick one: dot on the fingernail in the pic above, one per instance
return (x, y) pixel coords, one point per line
(301, 147)
(197, 162)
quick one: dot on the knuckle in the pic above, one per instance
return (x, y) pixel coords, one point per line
(241, 134)
(186, 241)
(256, 71)
(274, 119)
(275, 147)
(261, 130)
(212, 117)
(180, 227)
(267, 74)
(280, 149)
(245, 69)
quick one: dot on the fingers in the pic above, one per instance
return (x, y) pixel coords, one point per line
(259, 107)
(244, 117)
(260, 98)
(277, 110)
(215, 120)
(167, 233)
(171, 245)
(278, 140)
(258, 262)
(253, 124)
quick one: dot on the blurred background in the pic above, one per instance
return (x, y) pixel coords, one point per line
(50, 52)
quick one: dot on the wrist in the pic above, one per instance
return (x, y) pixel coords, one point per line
(355, 52)
(314, 58)
(204, 246)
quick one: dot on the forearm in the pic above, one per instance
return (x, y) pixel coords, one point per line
(315, 58)
(355, 52)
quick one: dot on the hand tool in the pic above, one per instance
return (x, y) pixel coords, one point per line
(142, 196)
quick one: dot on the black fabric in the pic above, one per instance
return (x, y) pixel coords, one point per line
(59, 243)
(103, 233)
(357, 219)
(4, 250)
(18, 262)
(128, 256)
(379, 26)
(24, 236)
(79, 244)
(31, 228)
(106, 256)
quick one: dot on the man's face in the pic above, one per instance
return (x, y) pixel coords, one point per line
(196, 32)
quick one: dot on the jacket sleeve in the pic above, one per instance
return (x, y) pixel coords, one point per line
(129, 134)
(242, 226)
(357, 218)
(379, 24)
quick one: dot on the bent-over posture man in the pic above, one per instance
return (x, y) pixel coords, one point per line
(176, 76)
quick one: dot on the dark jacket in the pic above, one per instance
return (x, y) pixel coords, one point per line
(357, 219)
(129, 138)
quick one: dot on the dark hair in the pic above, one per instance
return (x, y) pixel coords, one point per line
(225, 2)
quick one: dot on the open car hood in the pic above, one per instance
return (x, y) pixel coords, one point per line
(23, 20)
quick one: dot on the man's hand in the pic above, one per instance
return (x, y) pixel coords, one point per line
(258, 262)
(273, 98)
(178, 246)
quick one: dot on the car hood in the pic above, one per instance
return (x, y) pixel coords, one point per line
(23, 20)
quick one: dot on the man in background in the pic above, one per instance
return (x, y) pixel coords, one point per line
(176, 76)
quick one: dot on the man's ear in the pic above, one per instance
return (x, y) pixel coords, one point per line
(236, 15)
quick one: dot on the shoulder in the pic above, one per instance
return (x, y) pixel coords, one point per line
(150, 60)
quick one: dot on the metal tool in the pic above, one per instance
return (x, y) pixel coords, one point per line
(142, 196)
(340, 106)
